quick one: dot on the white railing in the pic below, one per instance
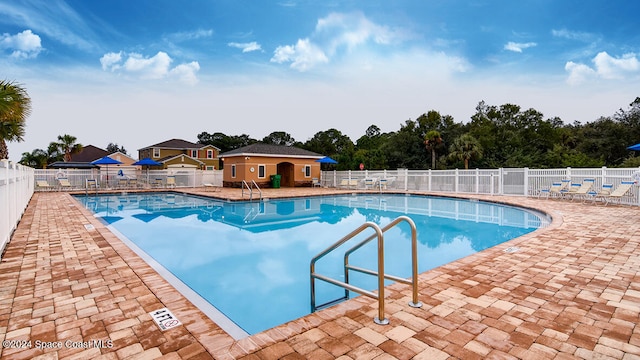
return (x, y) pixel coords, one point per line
(503, 181)
(16, 189)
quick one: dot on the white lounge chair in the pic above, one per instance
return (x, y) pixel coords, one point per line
(580, 190)
(210, 186)
(43, 185)
(64, 184)
(620, 192)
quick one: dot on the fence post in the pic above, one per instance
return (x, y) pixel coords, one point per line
(455, 185)
(406, 179)
(477, 181)
(430, 174)
(526, 182)
(501, 183)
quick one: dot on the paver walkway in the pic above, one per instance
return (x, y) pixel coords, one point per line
(570, 291)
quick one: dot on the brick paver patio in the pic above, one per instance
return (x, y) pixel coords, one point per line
(571, 291)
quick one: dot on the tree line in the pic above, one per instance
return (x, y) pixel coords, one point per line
(496, 136)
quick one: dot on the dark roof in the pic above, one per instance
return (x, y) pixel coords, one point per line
(88, 154)
(177, 144)
(273, 150)
(71, 165)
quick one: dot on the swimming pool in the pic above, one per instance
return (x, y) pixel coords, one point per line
(250, 260)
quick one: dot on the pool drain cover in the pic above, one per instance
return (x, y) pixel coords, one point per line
(512, 249)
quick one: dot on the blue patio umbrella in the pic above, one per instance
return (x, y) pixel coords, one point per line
(326, 160)
(635, 147)
(147, 162)
(106, 161)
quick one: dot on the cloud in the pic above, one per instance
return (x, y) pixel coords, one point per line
(302, 56)
(605, 67)
(155, 67)
(186, 72)
(578, 73)
(573, 35)
(518, 47)
(56, 20)
(190, 35)
(24, 45)
(333, 33)
(246, 47)
(616, 68)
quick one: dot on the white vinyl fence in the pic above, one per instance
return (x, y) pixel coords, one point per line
(16, 189)
(503, 181)
(112, 178)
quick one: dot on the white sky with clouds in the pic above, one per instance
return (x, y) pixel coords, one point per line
(138, 73)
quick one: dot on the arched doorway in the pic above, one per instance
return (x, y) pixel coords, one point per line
(285, 170)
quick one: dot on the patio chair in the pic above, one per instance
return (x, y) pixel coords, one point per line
(43, 185)
(579, 190)
(619, 193)
(122, 183)
(382, 183)
(315, 182)
(555, 189)
(157, 183)
(210, 186)
(91, 184)
(132, 183)
(64, 184)
(171, 181)
(369, 183)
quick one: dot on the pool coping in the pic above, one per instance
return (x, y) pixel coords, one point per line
(355, 314)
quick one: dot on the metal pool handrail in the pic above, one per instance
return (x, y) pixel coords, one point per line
(381, 320)
(250, 188)
(414, 260)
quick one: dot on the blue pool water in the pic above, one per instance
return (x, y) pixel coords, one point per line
(250, 260)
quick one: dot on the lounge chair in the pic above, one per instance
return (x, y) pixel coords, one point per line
(132, 183)
(315, 182)
(616, 195)
(579, 190)
(64, 183)
(555, 190)
(349, 183)
(43, 185)
(211, 186)
(123, 183)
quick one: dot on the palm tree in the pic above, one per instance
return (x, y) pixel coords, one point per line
(35, 159)
(68, 146)
(465, 148)
(15, 107)
(432, 142)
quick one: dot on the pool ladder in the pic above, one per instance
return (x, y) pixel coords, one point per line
(250, 188)
(379, 234)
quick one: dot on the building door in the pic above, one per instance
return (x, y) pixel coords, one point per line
(285, 170)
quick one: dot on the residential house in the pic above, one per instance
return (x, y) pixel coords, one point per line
(178, 153)
(81, 160)
(257, 162)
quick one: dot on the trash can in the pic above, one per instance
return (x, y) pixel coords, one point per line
(275, 181)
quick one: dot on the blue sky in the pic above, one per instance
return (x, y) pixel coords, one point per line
(137, 73)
